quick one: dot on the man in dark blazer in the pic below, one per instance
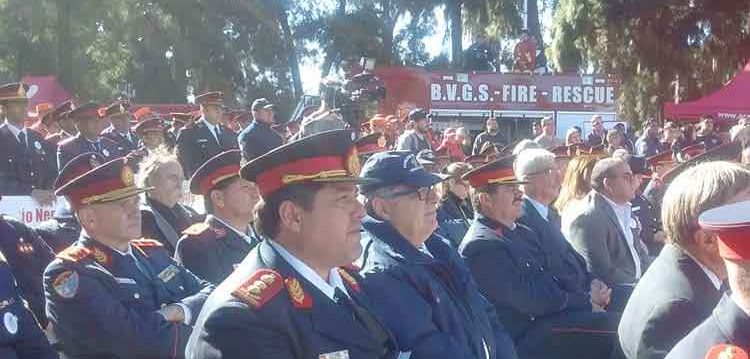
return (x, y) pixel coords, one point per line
(118, 115)
(729, 324)
(206, 137)
(89, 124)
(27, 162)
(542, 177)
(546, 317)
(259, 138)
(274, 305)
(682, 286)
(213, 248)
(604, 233)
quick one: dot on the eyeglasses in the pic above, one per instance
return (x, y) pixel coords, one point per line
(423, 193)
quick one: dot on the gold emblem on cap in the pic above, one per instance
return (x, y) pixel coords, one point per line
(381, 141)
(128, 178)
(22, 91)
(352, 162)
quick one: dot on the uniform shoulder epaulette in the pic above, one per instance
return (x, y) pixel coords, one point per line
(74, 254)
(346, 275)
(146, 243)
(196, 229)
(260, 288)
(726, 351)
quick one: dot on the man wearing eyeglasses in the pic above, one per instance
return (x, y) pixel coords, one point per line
(418, 284)
(605, 233)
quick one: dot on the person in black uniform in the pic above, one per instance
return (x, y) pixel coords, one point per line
(179, 120)
(110, 295)
(20, 335)
(258, 138)
(418, 283)
(27, 163)
(67, 129)
(213, 248)
(118, 115)
(87, 120)
(63, 229)
(164, 217)
(27, 255)
(730, 322)
(207, 137)
(290, 297)
(545, 317)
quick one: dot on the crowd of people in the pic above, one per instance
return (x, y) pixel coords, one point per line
(390, 240)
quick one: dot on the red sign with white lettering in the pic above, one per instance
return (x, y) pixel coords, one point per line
(499, 91)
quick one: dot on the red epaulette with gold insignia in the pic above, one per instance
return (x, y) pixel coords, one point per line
(349, 279)
(146, 243)
(352, 268)
(196, 229)
(74, 253)
(260, 288)
(300, 299)
(726, 351)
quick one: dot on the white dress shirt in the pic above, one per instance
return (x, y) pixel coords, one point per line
(328, 288)
(14, 130)
(625, 218)
(709, 273)
(211, 128)
(242, 235)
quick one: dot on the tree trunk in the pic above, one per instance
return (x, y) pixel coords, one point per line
(292, 59)
(64, 44)
(330, 50)
(455, 8)
(388, 24)
(532, 20)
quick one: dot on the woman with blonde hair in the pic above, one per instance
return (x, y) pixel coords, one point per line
(454, 214)
(576, 185)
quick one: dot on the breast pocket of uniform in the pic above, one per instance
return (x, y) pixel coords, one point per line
(130, 292)
(203, 143)
(172, 278)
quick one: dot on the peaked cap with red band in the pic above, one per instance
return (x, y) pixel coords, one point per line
(215, 98)
(117, 108)
(153, 124)
(731, 223)
(219, 168)
(87, 110)
(60, 112)
(372, 143)
(181, 117)
(499, 172)
(14, 92)
(328, 156)
(110, 182)
(660, 158)
(78, 166)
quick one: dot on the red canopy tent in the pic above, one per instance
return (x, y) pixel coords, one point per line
(726, 104)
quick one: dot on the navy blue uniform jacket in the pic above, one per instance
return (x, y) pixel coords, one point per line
(20, 335)
(102, 304)
(257, 139)
(25, 168)
(72, 147)
(278, 327)
(429, 301)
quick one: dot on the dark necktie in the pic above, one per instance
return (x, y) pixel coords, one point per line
(22, 140)
(218, 135)
(362, 316)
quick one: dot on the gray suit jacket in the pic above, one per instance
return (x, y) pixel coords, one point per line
(597, 236)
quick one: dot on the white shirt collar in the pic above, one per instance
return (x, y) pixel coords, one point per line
(208, 124)
(239, 233)
(328, 288)
(540, 208)
(618, 208)
(709, 273)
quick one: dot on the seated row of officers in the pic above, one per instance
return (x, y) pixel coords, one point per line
(285, 286)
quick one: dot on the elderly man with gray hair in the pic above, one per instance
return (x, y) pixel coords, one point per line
(605, 233)
(683, 284)
(542, 180)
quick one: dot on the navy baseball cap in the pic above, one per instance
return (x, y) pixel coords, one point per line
(393, 168)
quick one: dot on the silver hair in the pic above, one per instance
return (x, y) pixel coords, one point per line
(152, 163)
(524, 145)
(532, 161)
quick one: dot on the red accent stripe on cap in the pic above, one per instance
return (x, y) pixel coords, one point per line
(216, 176)
(484, 178)
(77, 195)
(272, 180)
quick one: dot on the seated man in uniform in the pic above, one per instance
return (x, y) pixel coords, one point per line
(88, 122)
(419, 284)
(111, 295)
(683, 284)
(545, 317)
(164, 217)
(290, 297)
(213, 248)
(728, 328)
(20, 335)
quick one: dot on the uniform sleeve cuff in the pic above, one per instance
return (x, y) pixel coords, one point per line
(187, 312)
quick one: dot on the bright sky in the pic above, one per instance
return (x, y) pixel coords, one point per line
(434, 44)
